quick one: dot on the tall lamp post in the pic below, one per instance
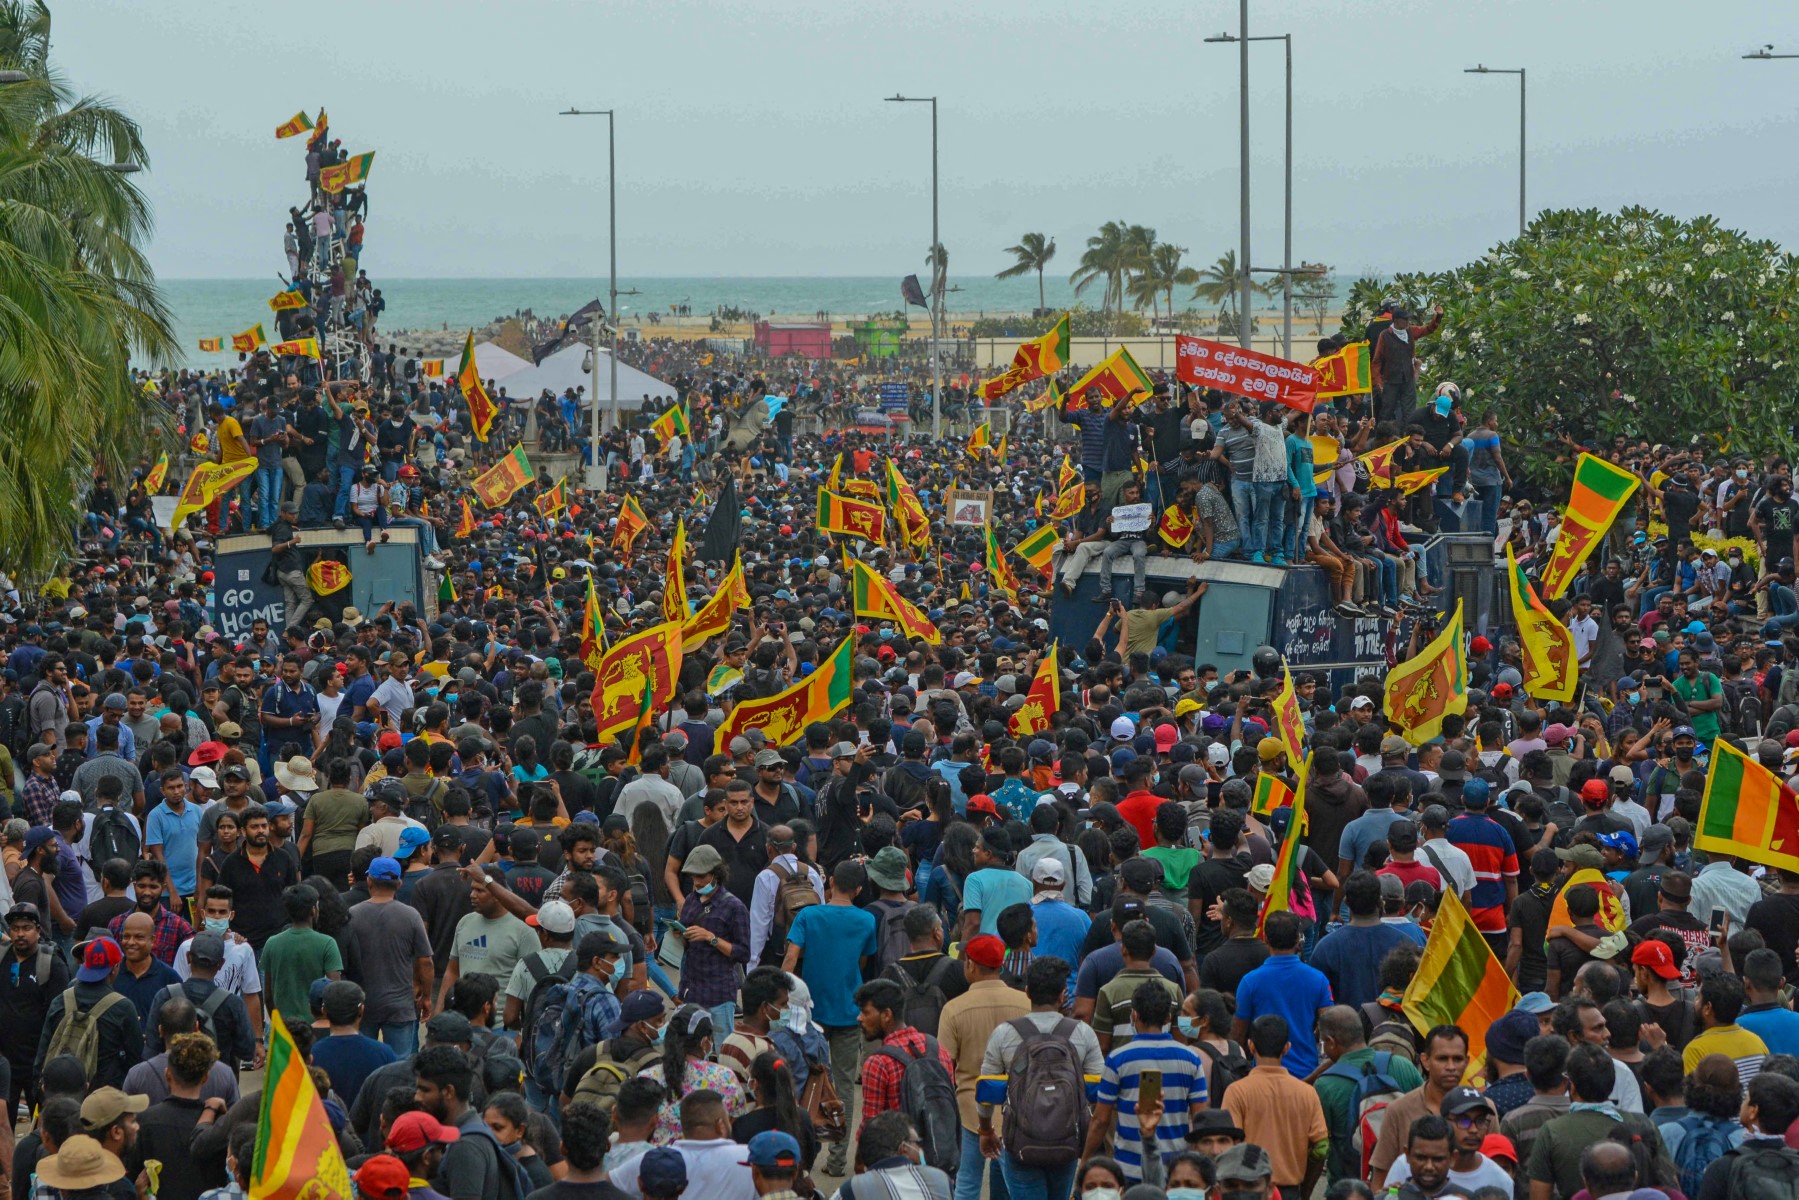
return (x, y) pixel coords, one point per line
(936, 252)
(593, 476)
(1519, 72)
(1287, 219)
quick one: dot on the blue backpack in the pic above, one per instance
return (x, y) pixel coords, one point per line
(1707, 1139)
(1375, 1089)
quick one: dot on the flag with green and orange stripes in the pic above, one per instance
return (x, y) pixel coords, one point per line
(1458, 980)
(1601, 490)
(1747, 811)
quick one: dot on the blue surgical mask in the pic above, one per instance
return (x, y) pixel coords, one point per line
(1636, 698)
(706, 889)
(219, 925)
(661, 1034)
(1189, 1026)
(1188, 1193)
(620, 969)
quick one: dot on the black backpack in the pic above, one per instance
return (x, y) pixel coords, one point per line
(1763, 1173)
(208, 1008)
(928, 1096)
(112, 836)
(924, 1000)
(515, 1183)
(1046, 1096)
(1223, 1069)
(890, 931)
(543, 978)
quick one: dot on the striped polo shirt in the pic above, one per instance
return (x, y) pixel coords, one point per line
(1183, 1084)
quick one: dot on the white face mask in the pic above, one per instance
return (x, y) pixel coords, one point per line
(1402, 334)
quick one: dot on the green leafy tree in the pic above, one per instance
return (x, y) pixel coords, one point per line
(1314, 293)
(1221, 284)
(1158, 278)
(1107, 260)
(1032, 253)
(77, 298)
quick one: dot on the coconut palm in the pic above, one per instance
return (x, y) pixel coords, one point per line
(1032, 253)
(1161, 275)
(1107, 260)
(77, 297)
(937, 258)
(1221, 282)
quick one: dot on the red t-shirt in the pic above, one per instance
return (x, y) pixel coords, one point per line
(1413, 872)
(1139, 808)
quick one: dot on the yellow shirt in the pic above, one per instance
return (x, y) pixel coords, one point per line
(233, 447)
(963, 1029)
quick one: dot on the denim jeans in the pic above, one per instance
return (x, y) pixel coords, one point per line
(1226, 549)
(1036, 1183)
(1268, 510)
(1138, 550)
(1489, 507)
(370, 523)
(268, 491)
(1302, 523)
(402, 1037)
(724, 1018)
(1243, 502)
(973, 1166)
(346, 475)
(1388, 570)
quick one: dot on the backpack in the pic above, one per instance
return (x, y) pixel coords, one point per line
(554, 1036)
(642, 911)
(1706, 1140)
(1763, 1173)
(78, 1032)
(208, 1009)
(890, 931)
(1388, 1033)
(793, 891)
(601, 1084)
(928, 1096)
(515, 1183)
(1495, 775)
(543, 978)
(1225, 1069)
(1741, 714)
(1375, 1089)
(423, 809)
(1046, 1097)
(110, 837)
(922, 1006)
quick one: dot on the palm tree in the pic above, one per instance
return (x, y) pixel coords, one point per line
(1107, 259)
(1220, 283)
(1032, 253)
(937, 258)
(77, 297)
(1162, 275)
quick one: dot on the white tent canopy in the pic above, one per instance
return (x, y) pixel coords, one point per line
(562, 370)
(494, 361)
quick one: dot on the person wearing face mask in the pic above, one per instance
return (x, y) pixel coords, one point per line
(686, 1057)
(764, 1007)
(716, 925)
(598, 1073)
(590, 1007)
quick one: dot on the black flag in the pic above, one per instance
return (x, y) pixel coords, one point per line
(912, 293)
(719, 542)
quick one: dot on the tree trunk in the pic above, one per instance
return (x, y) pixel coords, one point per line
(1040, 287)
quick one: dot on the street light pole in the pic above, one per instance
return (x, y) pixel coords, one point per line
(1519, 72)
(1243, 293)
(593, 476)
(1287, 222)
(936, 287)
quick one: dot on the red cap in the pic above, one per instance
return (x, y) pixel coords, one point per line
(1497, 1145)
(983, 804)
(389, 740)
(206, 753)
(1501, 691)
(985, 951)
(885, 654)
(1656, 956)
(1480, 645)
(1166, 737)
(383, 1177)
(416, 1130)
(1595, 789)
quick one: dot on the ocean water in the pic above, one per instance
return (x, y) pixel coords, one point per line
(221, 307)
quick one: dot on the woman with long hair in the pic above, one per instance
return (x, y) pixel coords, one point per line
(921, 835)
(340, 743)
(334, 915)
(227, 829)
(954, 868)
(776, 1106)
(686, 1066)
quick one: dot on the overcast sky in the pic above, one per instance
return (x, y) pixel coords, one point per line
(753, 139)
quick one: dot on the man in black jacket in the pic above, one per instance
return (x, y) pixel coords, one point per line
(1391, 369)
(121, 1034)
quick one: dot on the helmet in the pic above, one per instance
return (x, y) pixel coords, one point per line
(1266, 662)
(409, 472)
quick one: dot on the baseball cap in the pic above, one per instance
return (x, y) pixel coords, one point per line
(1595, 789)
(1361, 702)
(1453, 767)
(772, 1148)
(1049, 869)
(1166, 737)
(982, 803)
(1656, 956)
(450, 1029)
(205, 777)
(411, 838)
(38, 836)
(1623, 842)
(1656, 838)
(417, 1129)
(1183, 707)
(207, 948)
(1621, 774)
(554, 917)
(383, 1177)
(645, 1004)
(662, 1172)
(384, 868)
(103, 954)
(986, 951)
(1502, 691)
(1393, 744)
(1534, 1003)
(24, 910)
(1584, 856)
(1244, 1162)
(1557, 733)
(1123, 729)
(105, 1105)
(1463, 1100)
(1499, 1146)
(768, 758)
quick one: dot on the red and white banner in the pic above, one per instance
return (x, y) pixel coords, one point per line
(1205, 363)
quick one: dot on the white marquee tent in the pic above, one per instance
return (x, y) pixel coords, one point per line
(562, 370)
(494, 361)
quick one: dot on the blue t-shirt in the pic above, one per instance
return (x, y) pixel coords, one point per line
(179, 836)
(1778, 1027)
(349, 1059)
(992, 890)
(833, 939)
(1061, 929)
(1098, 968)
(1363, 832)
(1350, 957)
(1288, 988)
(1183, 1090)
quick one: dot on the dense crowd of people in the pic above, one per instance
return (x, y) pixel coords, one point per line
(919, 948)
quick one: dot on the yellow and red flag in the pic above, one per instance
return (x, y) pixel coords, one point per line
(631, 524)
(296, 1153)
(297, 124)
(1611, 912)
(1601, 490)
(1287, 862)
(1747, 812)
(999, 451)
(1042, 702)
(1289, 724)
(1118, 378)
(1271, 792)
(1416, 481)
(1458, 981)
(481, 408)
(1379, 463)
(1067, 475)
(1551, 669)
(852, 517)
(466, 525)
(1032, 360)
(282, 301)
(998, 567)
(672, 422)
(1344, 373)
(1069, 502)
(649, 661)
(593, 629)
(208, 482)
(873, 596)
(715, 615)
(154, 480)
(1424, 689)
(634, 754)
(328, 575)
(908, 510)
(300, 347)
(835, 482)
(431, 368)
(674, 585)
(1039, 547)
(982, 438)
(250, 340)
(212, 345)
(783, 717)
(336, 177)
(1176, 527)
(1051, 398)
(496, 485)
(552, 502)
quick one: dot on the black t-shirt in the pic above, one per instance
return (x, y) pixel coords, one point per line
(564, 1189)
(919, 967)
(1776, 918)
(1224, 968)
(1680, 504)
(529, 880)
(1779, 518)
(1208, 881)
(1641, 887)
(1530, 916)
(578, 792)
(1691, 930)
(1566, 957)
(1166, 924)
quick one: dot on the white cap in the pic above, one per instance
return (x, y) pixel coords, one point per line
(205, 778)
(1049, 869)
(1123, 729)
(1261, 878)
(556, 917)
(1219, 753)
(964, 678)
(1361, 702)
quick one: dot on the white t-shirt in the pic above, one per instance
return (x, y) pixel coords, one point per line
(1451, 860)
(1486, 1173)
(239, 974)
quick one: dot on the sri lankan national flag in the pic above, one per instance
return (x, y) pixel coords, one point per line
(634, 752)
(650, 661)
(1611, 913)
(297, 124)
(715, 615)
(327, 575)
(593, 629)
(282, 301)
(212, 345)
(250, 340)
(1042, 702)
(1287, 862)
(1458, 981)
(1416, 481)
(1289, 725)
(875, 597)
(981, 439)
(295, 1153)
(998, 567)
(431, 368)
(466, 525)
(1424, 689)
(631, 524)
(1069, 502)
(674, 584)
(999, 452)
(1118, 378)
(855, 518)
(783, 717)
(835, 482)
(481, 408)
(554, 501)
(338, 176)
(1551, 670)
(500, 482)
(1051, 398)
(1067, 475)
(672, 422)
(208, 482)
(1747, 811)
(157, 475)
(1379, 463)
(298, 347)
(1038, 547)
(1601, 490)
(1344, 373)
(1032, 360)
(1271, 792)
(1176, 527)
(914, 525)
